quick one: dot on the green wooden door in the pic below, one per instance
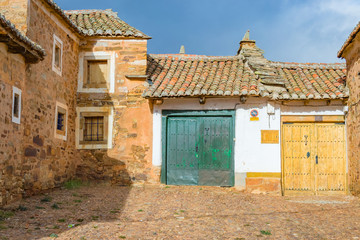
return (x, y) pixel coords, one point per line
(215, 158)
(182, 166)
(199, 150)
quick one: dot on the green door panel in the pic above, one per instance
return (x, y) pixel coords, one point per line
(199, 150)
(215, 165)
(182, 164)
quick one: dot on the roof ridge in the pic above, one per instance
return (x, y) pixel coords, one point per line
(108, 11)
(351, 36)
(311, 65)
(193, 56)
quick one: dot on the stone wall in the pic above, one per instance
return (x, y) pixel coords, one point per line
(130, 158)
(12, 73)
(16, 12)
(352, 56)
(48, 161)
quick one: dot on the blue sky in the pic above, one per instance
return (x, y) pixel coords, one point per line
(287, 30)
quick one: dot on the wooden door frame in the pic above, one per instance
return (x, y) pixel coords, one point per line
(194, 113)
(310, 119)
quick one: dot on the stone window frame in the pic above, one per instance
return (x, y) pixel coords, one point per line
(57, 43)
(107, 113)
(83, 58)
(16, 92)
(61, 108)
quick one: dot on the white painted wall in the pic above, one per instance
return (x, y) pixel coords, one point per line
(250, 154)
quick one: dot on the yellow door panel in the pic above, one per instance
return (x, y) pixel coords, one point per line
(314, 159)
(298, 171)
(330, 168)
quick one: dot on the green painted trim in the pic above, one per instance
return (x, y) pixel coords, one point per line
(263, 174)
(163, 149)
(195, 113)
(198, 113)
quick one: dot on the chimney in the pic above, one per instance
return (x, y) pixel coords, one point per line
(16, 11)
(246, 42)
(182, 49)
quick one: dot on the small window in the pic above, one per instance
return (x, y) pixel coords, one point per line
(57, 55)
(16, 111)
(94, 127)
(97, 74)
(61, 121)
(16, 105)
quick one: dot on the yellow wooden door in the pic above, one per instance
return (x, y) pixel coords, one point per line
(330, 164)
(298, 167)
(314, 159)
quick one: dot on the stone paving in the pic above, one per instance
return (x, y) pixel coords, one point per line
(178, 212)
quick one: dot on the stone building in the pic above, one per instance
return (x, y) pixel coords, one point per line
(350, 51)
(71, 104)
(83, 99)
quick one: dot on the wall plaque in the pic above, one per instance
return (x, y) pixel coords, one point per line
(270, 136)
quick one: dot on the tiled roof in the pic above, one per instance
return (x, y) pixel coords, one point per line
(102, 23)
(96, 22)
(194, 75)
(349, 40)
(62, 14)
(186, 75)
(312, 80)
(19, 43)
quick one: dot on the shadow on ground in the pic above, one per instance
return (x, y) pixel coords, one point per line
(51, 215)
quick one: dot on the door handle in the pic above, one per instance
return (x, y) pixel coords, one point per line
(308, 154)
(316, 159)
(196, 148)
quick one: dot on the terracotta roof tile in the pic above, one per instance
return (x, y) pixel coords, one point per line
(180, 75)
(191, 75)
(313, 81)
(102, 23)
(29, 49)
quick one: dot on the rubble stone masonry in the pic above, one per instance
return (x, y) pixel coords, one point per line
(16, 12)
(31, 158)
(55, 159)
(12, 73)
(129, 159)
(352, 56)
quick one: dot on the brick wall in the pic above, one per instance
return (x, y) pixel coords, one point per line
(12, 73)
(352, 56)
(130, 158)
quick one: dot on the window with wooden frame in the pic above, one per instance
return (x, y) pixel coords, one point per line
(16, 105)
(61, 115)
(96, 73)
(94, 127)
(57, 55)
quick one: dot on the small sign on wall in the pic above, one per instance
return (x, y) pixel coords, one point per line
(270, 136)
(254, 115)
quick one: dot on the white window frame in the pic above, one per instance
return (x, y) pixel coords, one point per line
(17, 91)
(96, 56)
(59, 43)
(57, 135)
(109, 112)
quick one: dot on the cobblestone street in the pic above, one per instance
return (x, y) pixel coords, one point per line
(179, 212)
